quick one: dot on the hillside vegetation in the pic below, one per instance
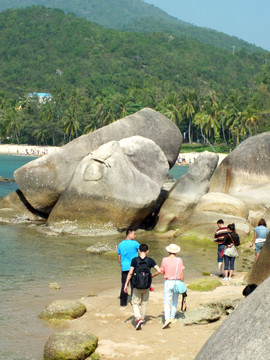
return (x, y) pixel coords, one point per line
(135, 15)
(98, 75)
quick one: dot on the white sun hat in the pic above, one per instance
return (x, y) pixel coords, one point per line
(173, 248)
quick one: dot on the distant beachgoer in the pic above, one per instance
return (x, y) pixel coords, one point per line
(260, 234)
(127, 250)
(173, 269)
(219, 236)
(231, 240)
(141, 270)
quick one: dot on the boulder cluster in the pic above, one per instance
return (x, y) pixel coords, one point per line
(237, 191)
(109, 179)
(113, 178)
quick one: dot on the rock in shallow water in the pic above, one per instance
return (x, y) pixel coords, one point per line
(63, 309)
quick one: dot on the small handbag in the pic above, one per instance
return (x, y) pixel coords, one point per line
(222, 252)
(179, 285)
(231, 251)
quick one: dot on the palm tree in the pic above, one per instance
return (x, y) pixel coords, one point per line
(235, 120)
(250, 117)
(71, 124)
(170, 107)
(13, 119)
(189, 108)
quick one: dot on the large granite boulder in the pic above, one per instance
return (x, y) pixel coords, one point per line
(187, 192)
(244, 334)
(115, 186)
(42, 181)
(70, 345)
(246, 168)
(261, 268)
(203, 224)
(14, 208)
(223, 204)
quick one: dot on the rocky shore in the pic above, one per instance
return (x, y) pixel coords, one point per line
(117, 337)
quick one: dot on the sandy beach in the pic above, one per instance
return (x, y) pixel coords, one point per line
(118, 338)
(32, 150)
(189, 158)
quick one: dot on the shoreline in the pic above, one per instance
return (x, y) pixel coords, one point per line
(26, 150)
(186, 159)
(36, 150)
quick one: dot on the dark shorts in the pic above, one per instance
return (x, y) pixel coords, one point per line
(220, 247)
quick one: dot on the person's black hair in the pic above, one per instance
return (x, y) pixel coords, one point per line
(129, 231)
(231, 227)
(249, 289)
(143, 247)
(262, 222)
(220, 221)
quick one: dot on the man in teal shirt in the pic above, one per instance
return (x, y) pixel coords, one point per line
(127, 250)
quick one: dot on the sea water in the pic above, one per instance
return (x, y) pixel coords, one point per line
(30, 260)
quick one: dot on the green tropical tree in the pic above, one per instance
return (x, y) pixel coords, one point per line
(14, 119)
(188, 109)
(170, 107)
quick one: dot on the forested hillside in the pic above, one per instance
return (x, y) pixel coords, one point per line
(135, 15)
(36, 42)
(97, 75)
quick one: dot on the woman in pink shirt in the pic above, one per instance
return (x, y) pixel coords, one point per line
(173, 269)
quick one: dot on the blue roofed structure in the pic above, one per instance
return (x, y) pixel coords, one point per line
(42, 97)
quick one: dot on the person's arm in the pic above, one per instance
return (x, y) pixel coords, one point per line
(182, 275)
(130, 273)
(119, 259)
(156, 267)
(253, 241)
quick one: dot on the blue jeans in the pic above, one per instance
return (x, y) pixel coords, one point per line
(169, 310)
(229, 262)
(220, 258)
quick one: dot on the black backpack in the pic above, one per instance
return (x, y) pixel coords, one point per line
(142, 277)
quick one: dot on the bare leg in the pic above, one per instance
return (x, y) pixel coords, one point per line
(226, 273)
(220, 268)
(257, 255)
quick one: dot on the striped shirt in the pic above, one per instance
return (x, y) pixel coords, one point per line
(220, 234)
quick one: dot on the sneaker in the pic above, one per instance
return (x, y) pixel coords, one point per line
(166, 324)
(139, 324)
(230, 278)
(225, 279)
(220, 275)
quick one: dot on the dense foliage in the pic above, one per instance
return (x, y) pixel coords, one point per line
(135, 15)
(96, 76)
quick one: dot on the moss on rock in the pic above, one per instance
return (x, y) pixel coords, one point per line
(63, 309)
(70, 345)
